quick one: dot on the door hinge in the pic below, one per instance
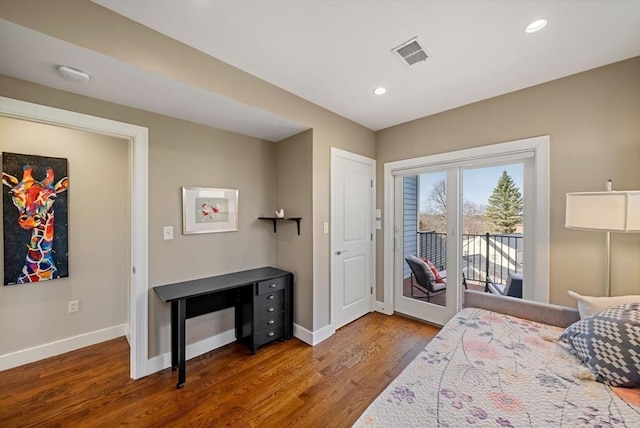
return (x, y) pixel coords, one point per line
(134, 269)
(371, 290)
(372, 236)
(372, 184)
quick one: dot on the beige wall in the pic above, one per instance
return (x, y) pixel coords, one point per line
(593, 122)
(186, 154)
(98, 214)
(89, 25)
(293, 189)
(591, 117)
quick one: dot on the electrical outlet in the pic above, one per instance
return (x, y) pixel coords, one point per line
(74, 306)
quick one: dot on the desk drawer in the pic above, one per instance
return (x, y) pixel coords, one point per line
(265, 287)
(269, 322)
(274, 308)
(269, 298)
(266, 336)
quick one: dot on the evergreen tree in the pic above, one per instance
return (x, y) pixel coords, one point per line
(504, 211)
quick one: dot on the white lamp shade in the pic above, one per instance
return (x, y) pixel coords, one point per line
(605, 211)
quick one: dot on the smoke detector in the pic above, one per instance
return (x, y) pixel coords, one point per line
(73, 74)
(410, 52)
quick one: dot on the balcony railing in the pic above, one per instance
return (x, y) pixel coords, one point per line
(482, 255)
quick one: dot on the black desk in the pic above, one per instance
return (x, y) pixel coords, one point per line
(263, 301)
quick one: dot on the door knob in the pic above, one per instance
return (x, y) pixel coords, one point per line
(340, 252)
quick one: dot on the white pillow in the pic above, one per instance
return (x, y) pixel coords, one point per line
(589, 305)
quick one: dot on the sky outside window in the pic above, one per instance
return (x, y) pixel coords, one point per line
(478, 183)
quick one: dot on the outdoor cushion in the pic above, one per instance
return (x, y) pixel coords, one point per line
(438, 277)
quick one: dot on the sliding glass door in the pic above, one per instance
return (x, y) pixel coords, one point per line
(468, 222)
(493, 215)
(426, 231)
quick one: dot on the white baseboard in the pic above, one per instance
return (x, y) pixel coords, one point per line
(312, 338)
(383, 308)
(40, 352)
(303, 334)
(163, 361)
(323, 334)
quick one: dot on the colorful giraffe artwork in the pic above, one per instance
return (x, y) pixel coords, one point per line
(34, 218)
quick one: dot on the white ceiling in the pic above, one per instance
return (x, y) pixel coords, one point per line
(334, 53)
(33, 56)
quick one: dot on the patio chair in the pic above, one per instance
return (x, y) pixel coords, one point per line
(513, 287)
(423, 279)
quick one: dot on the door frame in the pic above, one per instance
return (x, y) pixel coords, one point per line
(538, 215)
(138, 138)
(336, 153)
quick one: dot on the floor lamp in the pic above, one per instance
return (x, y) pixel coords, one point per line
(608, 212)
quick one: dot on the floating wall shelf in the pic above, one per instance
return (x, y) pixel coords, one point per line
(274, 220)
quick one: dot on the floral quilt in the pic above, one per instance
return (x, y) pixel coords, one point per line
(489, 369)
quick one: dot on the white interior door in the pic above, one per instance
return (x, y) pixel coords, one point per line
(352, 201)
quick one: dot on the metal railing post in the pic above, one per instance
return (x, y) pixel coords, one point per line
(486, 277)
(506, 256)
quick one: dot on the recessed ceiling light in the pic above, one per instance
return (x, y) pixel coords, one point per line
(536, 25)
(379, 91)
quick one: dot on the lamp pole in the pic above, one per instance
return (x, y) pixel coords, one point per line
(607, 283)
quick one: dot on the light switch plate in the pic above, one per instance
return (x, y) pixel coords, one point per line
(378, 213)
(378, 224)
(167, 233)
(325, 227)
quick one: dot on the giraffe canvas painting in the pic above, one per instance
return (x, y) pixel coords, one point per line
(35, 225)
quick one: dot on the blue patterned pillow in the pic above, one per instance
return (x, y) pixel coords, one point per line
(609, 344)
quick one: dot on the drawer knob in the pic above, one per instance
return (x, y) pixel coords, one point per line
(271, 297)
(270, 309)
(271, 334)
(271, 322)
(272, 286)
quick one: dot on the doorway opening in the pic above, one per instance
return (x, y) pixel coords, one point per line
(138, 150)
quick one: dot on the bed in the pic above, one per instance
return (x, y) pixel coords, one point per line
(490, 368)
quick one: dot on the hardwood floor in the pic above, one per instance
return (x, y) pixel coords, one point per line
(284, 384)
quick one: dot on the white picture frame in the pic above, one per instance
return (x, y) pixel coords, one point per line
(209, 210)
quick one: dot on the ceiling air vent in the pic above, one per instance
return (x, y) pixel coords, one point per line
(410, 52)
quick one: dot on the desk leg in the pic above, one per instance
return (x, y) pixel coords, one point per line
(180, 339)
(174, 335)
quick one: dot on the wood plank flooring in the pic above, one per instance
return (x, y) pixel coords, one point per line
(285, 384)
